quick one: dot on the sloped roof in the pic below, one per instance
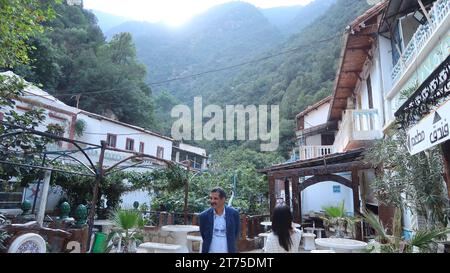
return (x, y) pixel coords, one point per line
(358, 41)
(313, 107)
(396, 9)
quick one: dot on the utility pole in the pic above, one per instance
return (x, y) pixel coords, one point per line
(78, 100)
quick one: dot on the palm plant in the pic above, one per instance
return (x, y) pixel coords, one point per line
(425, 240)
(336, 216)
(129, 223)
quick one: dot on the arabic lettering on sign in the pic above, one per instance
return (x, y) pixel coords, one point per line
(430, 131)
(439, 133)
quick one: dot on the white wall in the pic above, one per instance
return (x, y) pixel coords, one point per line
(97, 130)
(314, 140)
(317, 116)
(140, 195)
(315, 197)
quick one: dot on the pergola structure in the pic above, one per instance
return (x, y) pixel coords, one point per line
(98, 171)
(303, 174)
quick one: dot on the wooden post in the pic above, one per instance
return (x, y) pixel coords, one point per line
(98, 179)
(243, 226)
(299, 195)
(287, 193)
(161, 219)
(272, 194)
(356, 202)
(251, 227)
(295, 200)
(170, 218)
(195, 219)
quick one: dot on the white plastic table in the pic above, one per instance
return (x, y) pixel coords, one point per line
(181, 232)
(268, 224)
(264, 235)
(313, 229)
(309, 241)
(342, 245)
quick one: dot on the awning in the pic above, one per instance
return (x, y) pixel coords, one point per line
(396, 9)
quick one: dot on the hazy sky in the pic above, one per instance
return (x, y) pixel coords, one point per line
(172, 12)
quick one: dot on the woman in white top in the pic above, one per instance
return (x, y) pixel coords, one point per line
(284, 237)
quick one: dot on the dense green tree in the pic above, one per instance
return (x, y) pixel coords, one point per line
(75, 63)
(21, 20)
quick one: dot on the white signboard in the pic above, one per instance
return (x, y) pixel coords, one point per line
(430, 131)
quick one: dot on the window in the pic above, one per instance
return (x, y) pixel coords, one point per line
(111, 140)
(301, 123)
(369, 92)
(141, 147)
(160, 152)
(396, 44)
(129, 144)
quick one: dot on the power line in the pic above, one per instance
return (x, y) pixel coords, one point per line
(206, 72)
(245, 63)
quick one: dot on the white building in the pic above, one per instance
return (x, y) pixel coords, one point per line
(196, 156)
(333, 133)
(393, 47)
(122, 140)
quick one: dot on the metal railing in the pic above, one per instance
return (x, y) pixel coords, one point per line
(357, 125)
(438, 13)
(314, 151)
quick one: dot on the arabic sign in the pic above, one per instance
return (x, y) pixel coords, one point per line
(430, 131)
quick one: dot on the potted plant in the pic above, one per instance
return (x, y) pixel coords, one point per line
(129, 223)
(336, 217)
(421, 241)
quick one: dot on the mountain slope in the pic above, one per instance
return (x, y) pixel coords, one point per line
(281, 16)
(107, 21)
(292, 81)
(225, 33)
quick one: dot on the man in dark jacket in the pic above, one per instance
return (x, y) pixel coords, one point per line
(219, 225)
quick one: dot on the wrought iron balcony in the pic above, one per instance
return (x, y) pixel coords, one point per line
(438, 13)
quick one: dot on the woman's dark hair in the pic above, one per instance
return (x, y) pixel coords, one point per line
(282, 225)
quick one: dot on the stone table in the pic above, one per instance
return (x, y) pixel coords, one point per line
(342, 245)
(313, 229)
(180, 232)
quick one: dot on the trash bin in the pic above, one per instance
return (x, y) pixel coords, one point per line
(99, 243)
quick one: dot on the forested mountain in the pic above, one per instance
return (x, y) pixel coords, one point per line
(73, 57)
(291, 20)
(292, 80)
(223, 34)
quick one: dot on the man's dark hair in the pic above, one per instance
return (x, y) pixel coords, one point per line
(221, 192)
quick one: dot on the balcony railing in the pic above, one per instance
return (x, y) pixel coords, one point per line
(437, 13)
(357, 125)
(308, 152)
